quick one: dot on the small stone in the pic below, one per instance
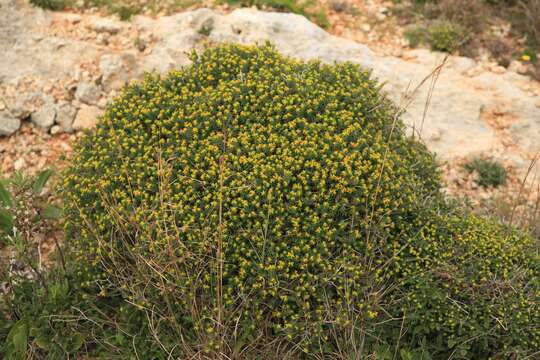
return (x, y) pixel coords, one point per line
(19, 164)
(102, 25)
(86, 117)
(103, 39)
(73, 18)
(365, 28)
(65, 116)
(8, 123)
(88, 93)
(115, 69)
(56, 129)
(380, 16)
(44, 117)
(475, 71)
(538, 104)
(517, 67)
(102, 103)
(497, 69)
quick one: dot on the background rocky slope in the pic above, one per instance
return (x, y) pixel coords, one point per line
(59, 69)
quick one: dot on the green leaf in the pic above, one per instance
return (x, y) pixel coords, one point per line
(76, 342)
(19, 336)
(41, 180)
(43, 342)
(6, 221)
(51, 212)
(405, 355)
(5, 196)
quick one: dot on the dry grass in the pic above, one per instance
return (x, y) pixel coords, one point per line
(531, 10)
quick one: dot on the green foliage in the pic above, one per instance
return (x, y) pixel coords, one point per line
(256, 206)
(445, 36)
(491, 173)
(415, 35)
(50, 4)
(125, 12)
(24, 210)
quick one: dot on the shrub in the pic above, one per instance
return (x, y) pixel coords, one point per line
(50, 4)
(256, 206)
(415, 35)
(445, 36)
(491, 173)
(531, 12)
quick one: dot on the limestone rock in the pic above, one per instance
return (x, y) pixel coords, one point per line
(65, 116)
(88, 93)
(105, 25)
(86, 118)
(116, 69)
(8, 123)
(44, 117)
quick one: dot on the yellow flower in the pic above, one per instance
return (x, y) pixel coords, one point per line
(525, 57)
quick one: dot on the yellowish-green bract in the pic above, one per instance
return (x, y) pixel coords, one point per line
(255, 199)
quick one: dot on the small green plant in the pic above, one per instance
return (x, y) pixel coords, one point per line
(125, 12)
(26, 217)
(445, 36)
(206, 29)
(490, 173)
(416, 35)
(50, 4)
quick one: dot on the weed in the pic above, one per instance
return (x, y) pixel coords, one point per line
(206, 28)
(415, 35)
(491, 173)
(50, 4)
(445, 36)
(125, 12)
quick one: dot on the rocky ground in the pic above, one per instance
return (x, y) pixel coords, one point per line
(59, 69)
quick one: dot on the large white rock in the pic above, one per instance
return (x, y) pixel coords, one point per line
(292, 34)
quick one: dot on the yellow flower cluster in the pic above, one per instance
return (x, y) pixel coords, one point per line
(274, 197)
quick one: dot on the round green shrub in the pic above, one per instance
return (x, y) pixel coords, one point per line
(255, 205)
(445, 36)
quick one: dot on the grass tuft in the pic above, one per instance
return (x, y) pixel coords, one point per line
(491, 173)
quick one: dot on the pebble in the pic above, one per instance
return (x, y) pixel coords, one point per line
(19, 164)
(101, 25)
(56, 129)
(73, 18)
(497, 69)
(44, 117)
(88, 93)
